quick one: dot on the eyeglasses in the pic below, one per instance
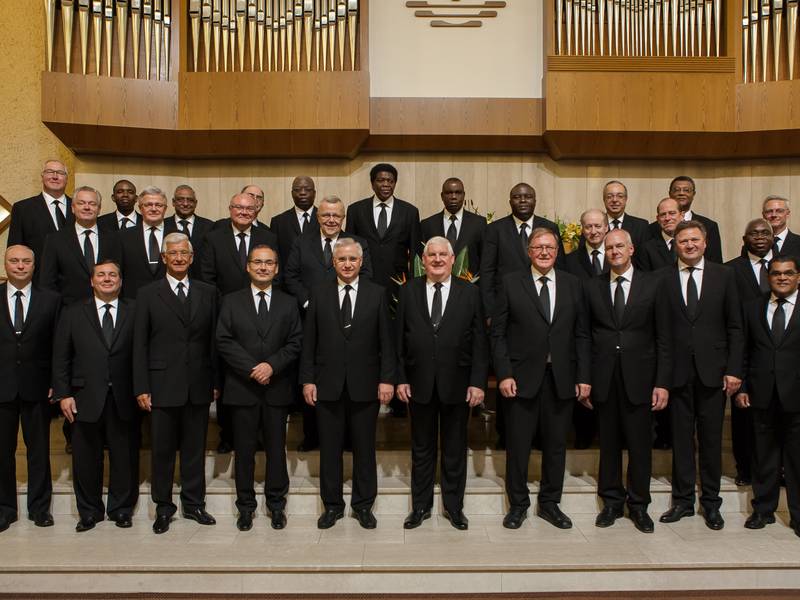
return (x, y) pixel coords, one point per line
(548, 249)
(263, 263)
(50, 172)
(181, 253)
(154, 205)
(335, 216)
(789, 273)
(240, 208)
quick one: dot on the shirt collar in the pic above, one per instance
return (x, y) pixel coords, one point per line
(519, 223)
(173, 283)
(791, 299)
(26, 291)
(147, 227)
(665, 237)
(133, 217)
(332, 238)
(628, 275)
(445, 283)
(300, 213)
(353, 285)
(601, 249)
(688, 215)
(389, 203)
(79, 229)
(782, 235)
(100, 304)
(236, 232)
(754, 260)
(190, 219)
(620, 218)
(698, 267)
(459, 215)
(551, 274)
(50, 199)
(256, 290)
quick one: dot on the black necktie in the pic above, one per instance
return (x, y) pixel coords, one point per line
(19, 313)
(60, 219)
(691, 294)
(153, 247)
(436, 306)
(347, 308)
(671, 247)
(184, 226)
(615, 223)
(619, 300)
(778, 321)
(596, 266)
(263, 309)
(180, 293)
(108, 324)
(523, 237)
(383, 223)
(763, 279)
(775, 248)
(88, 249)
(327, 252)
(242, 249)
(124, 223)
(304, 226)
(544, 296)
(452, 233)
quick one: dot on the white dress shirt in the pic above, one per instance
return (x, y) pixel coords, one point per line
(626, 285)
(133, 218)
(620, 218)
(430, 290)
(101, 309)
(780, 238)
(12, 300)
(333, 240)
(551, 287)
(353, 293)
(159, 238)
(189, 220)
(788, 308)
(529, 223)
(755, 263)
(80, 229)
(697, 275)
(602, 253)
(52, 209)
(300, 219)
(459, 220)
(376, 209)
(256, 298)
(246, 233)
(688, 215)
(173, 284)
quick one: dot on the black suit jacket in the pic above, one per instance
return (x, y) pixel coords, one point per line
(713, 340)
(503, 254)
(771, 366)
(522, 338)
(26, 361)
(394, 254)
(579, 264)
(446, 360)
(791, 245)
(174, 354)
(63, 268)
(136, 271)
(639, 230)
(84, 365)
(31, 223)
(473, 229)
(641, 341)
(108, 221)
(654, 255)
(359, 358)
(200, 229)
(305, 267)
(226, 224)
(243, 342)
(220, 264)
(713, 239)
(287, 228)
(746, 281)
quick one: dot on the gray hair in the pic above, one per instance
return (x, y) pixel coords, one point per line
(175, 238)
(623, 233)
(88, 188)
(594, 210)
(332, 200)
(346, 242)
(152, 190)
(438, 240)
(774, 197)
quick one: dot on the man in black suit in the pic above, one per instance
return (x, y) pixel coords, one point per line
(541, 350)
(615, 199)
(92, 379)
(124, 196)
(257, 194)
(683, 189)
(462, 228)
(707, 351)
(631, 366)
(70, 254)
(772, 393)
(300, 219)
(752, 281)
(659, 251)
(776, 211)
(259, 335)
(33, 219)
(185, 220)
(347, 370)
(26, 338)
(442, 373)
(141, 246)
(175, 379)
(505, 250)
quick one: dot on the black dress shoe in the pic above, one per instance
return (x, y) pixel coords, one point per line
(278, 519)
(676, 513)
(365, 518)
(608, 516)
(641, 520)
(553, 515)
(44, 519)
(795, 527)
(457, 519)
(199, 515)
(743, 479)
(161, 524)
(4, 523)
(68, 448)
(514, 518)
(123, 521)
(416, 517)
(713, 519)
(328, 518)
(85, 524)
(758, 520)
(245, 521)
(224, 447)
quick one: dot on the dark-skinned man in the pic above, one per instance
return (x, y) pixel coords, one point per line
(462, 228)
(300, 219)
(259, 336)
(772, 394)
(541, 350)
(752, 281)
(347, 370)
(444, 364)
(659, 251)
(175, 379)
(92, 379)
(123, 194)
(615, 199)
(776, 210)
(631, 367)
(185, 220)
(707, 350)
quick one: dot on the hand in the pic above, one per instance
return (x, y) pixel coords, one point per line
(742, 400)
(385, 393)
(731, 384)
(404, 392)
(68, 408)
(215, 394)
(488, 322)
(310, 394)
(50, 396)
(262, 373)
(508, 387)
(145, 403)
(583, 391)
(659, 398)
(475, 396)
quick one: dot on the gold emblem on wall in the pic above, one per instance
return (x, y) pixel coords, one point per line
(467, 14)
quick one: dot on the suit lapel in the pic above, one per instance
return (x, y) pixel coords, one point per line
(7, 311)
(44, 213)
(171, 300)
(604, 286)
(33, 308)
(420, 293)
(233, 247)
(562, 294)
(791, 326)
(316, 249)
(633, 295)
(122, 315)
(530, 287)
(394, 218)
(90, 310)
(675, 283)
(77, 249)
(369, 217)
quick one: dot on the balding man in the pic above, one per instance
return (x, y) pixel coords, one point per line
(257, 194)
(123, 195)
(188, 222)
(300, 219)
(776, 211)
(589, 258)
(659, 251)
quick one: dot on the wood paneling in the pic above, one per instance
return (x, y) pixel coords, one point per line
(670, 64)
(768, 106)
